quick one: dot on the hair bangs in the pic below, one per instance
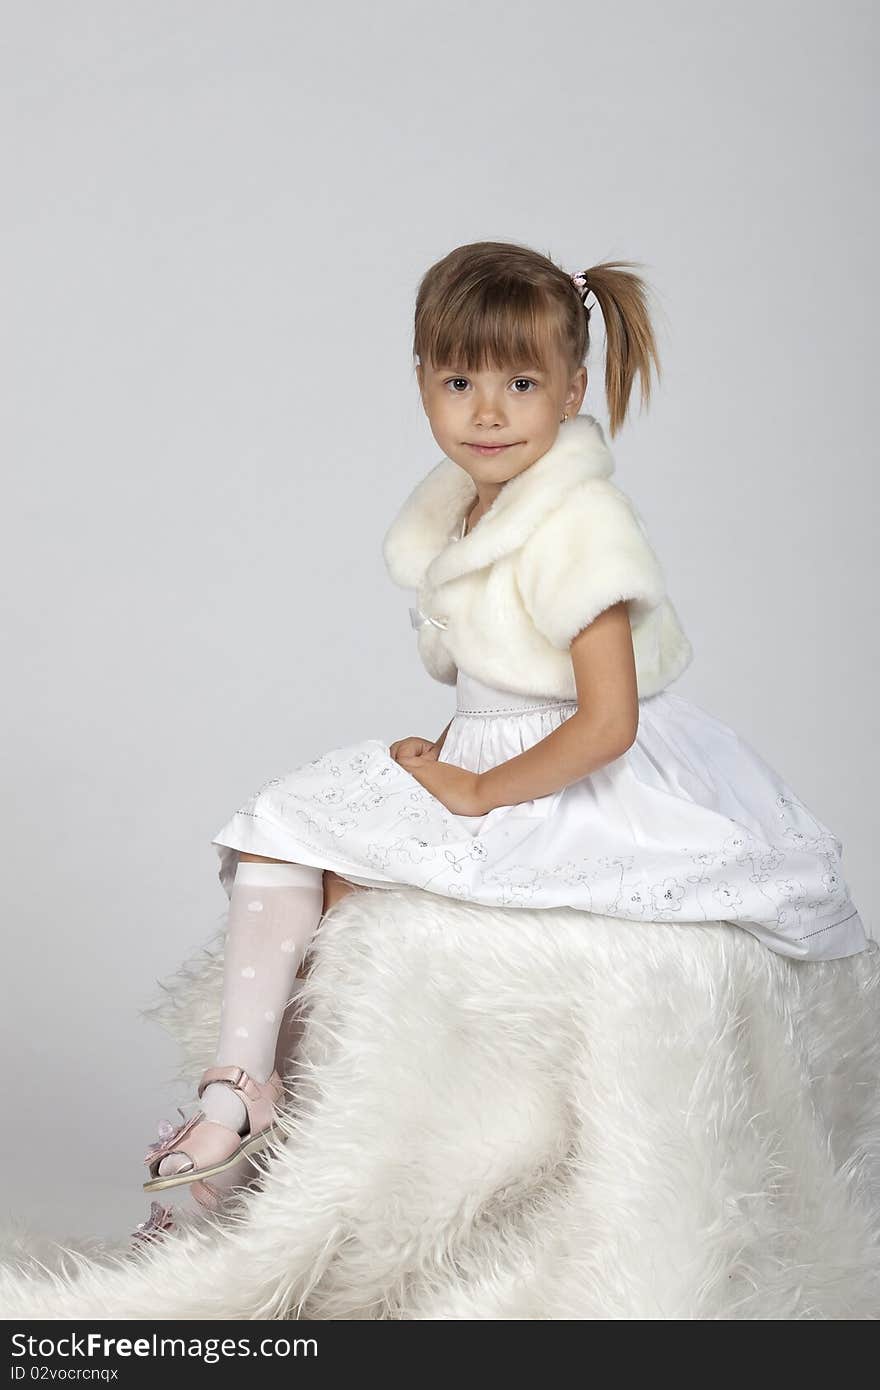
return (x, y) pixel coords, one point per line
(498, 324)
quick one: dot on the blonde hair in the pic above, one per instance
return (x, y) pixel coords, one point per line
(497, 304)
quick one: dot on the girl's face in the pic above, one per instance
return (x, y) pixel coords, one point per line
(495, 424)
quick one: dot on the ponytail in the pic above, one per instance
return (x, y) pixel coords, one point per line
(630, 345)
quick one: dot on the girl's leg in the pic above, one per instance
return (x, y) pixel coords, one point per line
(274, 910)
(336, 888)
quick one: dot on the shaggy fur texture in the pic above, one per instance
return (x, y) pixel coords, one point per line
(520, 1114)
(559, 544)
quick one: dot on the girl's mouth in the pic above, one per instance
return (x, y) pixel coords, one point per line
(490, 448)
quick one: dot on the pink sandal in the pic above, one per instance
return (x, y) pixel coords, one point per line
(160, 1221)
(211, 1147)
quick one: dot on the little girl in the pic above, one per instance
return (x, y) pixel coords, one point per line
(570, 775)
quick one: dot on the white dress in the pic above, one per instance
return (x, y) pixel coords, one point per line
(689, 825)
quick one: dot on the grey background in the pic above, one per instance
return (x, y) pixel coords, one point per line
(215, 216)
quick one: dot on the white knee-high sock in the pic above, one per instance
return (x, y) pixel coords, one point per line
(274, 911)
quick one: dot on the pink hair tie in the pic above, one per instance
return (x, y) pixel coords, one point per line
(579, 280)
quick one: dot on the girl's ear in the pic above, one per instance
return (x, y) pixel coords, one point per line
(576, 391)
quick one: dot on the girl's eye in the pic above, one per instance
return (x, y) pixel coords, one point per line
(462, 380)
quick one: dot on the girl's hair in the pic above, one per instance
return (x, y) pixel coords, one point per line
(499, 304)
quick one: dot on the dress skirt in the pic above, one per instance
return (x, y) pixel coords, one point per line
(690, 824)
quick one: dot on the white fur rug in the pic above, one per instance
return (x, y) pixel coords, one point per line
(521, 1114)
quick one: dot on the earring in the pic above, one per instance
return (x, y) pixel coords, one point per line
(563, 420)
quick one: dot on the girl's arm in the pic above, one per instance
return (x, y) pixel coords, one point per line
(602, 728)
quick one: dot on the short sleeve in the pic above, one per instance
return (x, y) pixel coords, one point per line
(588, 554)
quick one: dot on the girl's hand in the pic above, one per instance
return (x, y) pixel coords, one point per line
(414, 748)
(456, 787)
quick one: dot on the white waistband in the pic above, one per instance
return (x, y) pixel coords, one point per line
(474, 697)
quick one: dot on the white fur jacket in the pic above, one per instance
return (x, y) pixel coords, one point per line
(559, 544)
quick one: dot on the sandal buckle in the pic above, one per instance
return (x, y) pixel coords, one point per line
(239, 1080)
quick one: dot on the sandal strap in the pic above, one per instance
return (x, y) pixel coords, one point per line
(240, 1080)
(220, 1140)
(206, 1195)
(169, 1145)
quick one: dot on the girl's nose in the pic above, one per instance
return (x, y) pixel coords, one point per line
(488, 414)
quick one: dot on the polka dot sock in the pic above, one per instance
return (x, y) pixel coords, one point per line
(274, 911)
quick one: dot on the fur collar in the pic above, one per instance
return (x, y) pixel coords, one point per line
(423, 541)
